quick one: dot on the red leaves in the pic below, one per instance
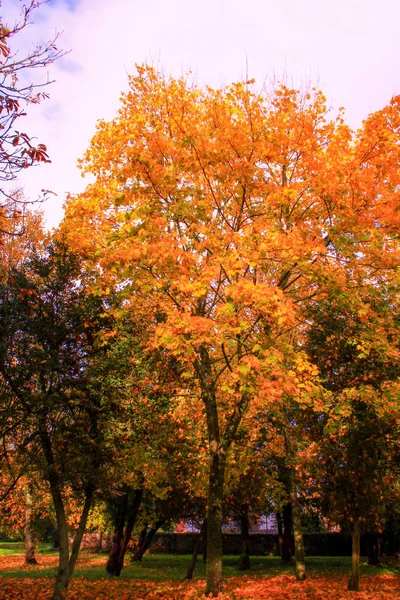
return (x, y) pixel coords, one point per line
(38, 154)
(241, 588)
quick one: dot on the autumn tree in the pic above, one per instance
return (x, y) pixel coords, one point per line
(17, 150)
(225, 213)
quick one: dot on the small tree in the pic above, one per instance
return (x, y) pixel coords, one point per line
(17, 150)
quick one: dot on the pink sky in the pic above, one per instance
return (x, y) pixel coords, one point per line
(348, 48)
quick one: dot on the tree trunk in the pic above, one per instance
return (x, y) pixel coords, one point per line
(244, 563)
(133, 510)
(279, 524)
(30, 546)
(127, 510)
(55, 545)
(219, 444)
(354, 583)
(300, 556)
(142, 549)
(63, 574)
(373, 549)
(200, 538)
(113, 566)
(99, 545)
(76, 544)
(66, 563)
(214, 524)
(140, 544)
(287, 545)
(205, 543)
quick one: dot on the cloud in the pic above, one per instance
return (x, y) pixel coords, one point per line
(350, 47)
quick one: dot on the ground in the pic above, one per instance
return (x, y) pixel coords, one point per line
(161, 577)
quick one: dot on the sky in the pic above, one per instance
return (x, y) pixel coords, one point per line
(350, 49)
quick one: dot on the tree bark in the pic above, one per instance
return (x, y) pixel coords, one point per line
(140, 543)
(244, 563)
(127, 511)
(142, 548)
(279, 524)
(219, 444)
(30, 546)
(63, 574)
(214, 524)
(354, 583)
(205, 543)
(55, 545)
(133, 510)
(373, 549)
(76, 544)
(200, 538)
(287, 545)
(66, 563)
(113, 566)
(300, 557)
(99, 545)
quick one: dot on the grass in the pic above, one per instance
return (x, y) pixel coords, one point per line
(159, 567)
(14, 548)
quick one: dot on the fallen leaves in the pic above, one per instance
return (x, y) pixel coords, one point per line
(284, 587)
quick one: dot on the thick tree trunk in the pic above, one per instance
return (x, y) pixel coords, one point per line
(200, 538)
(244, 563)
(373, 549)
(127, 510)
(214, 524)
(142, 548)
(300, 556)
(113, 566)
(30, 546)
(354, 583)
(287, 544)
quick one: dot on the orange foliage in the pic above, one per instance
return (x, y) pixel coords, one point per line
(229, 212)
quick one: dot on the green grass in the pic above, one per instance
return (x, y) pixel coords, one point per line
(162, 567)
(13, 548)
